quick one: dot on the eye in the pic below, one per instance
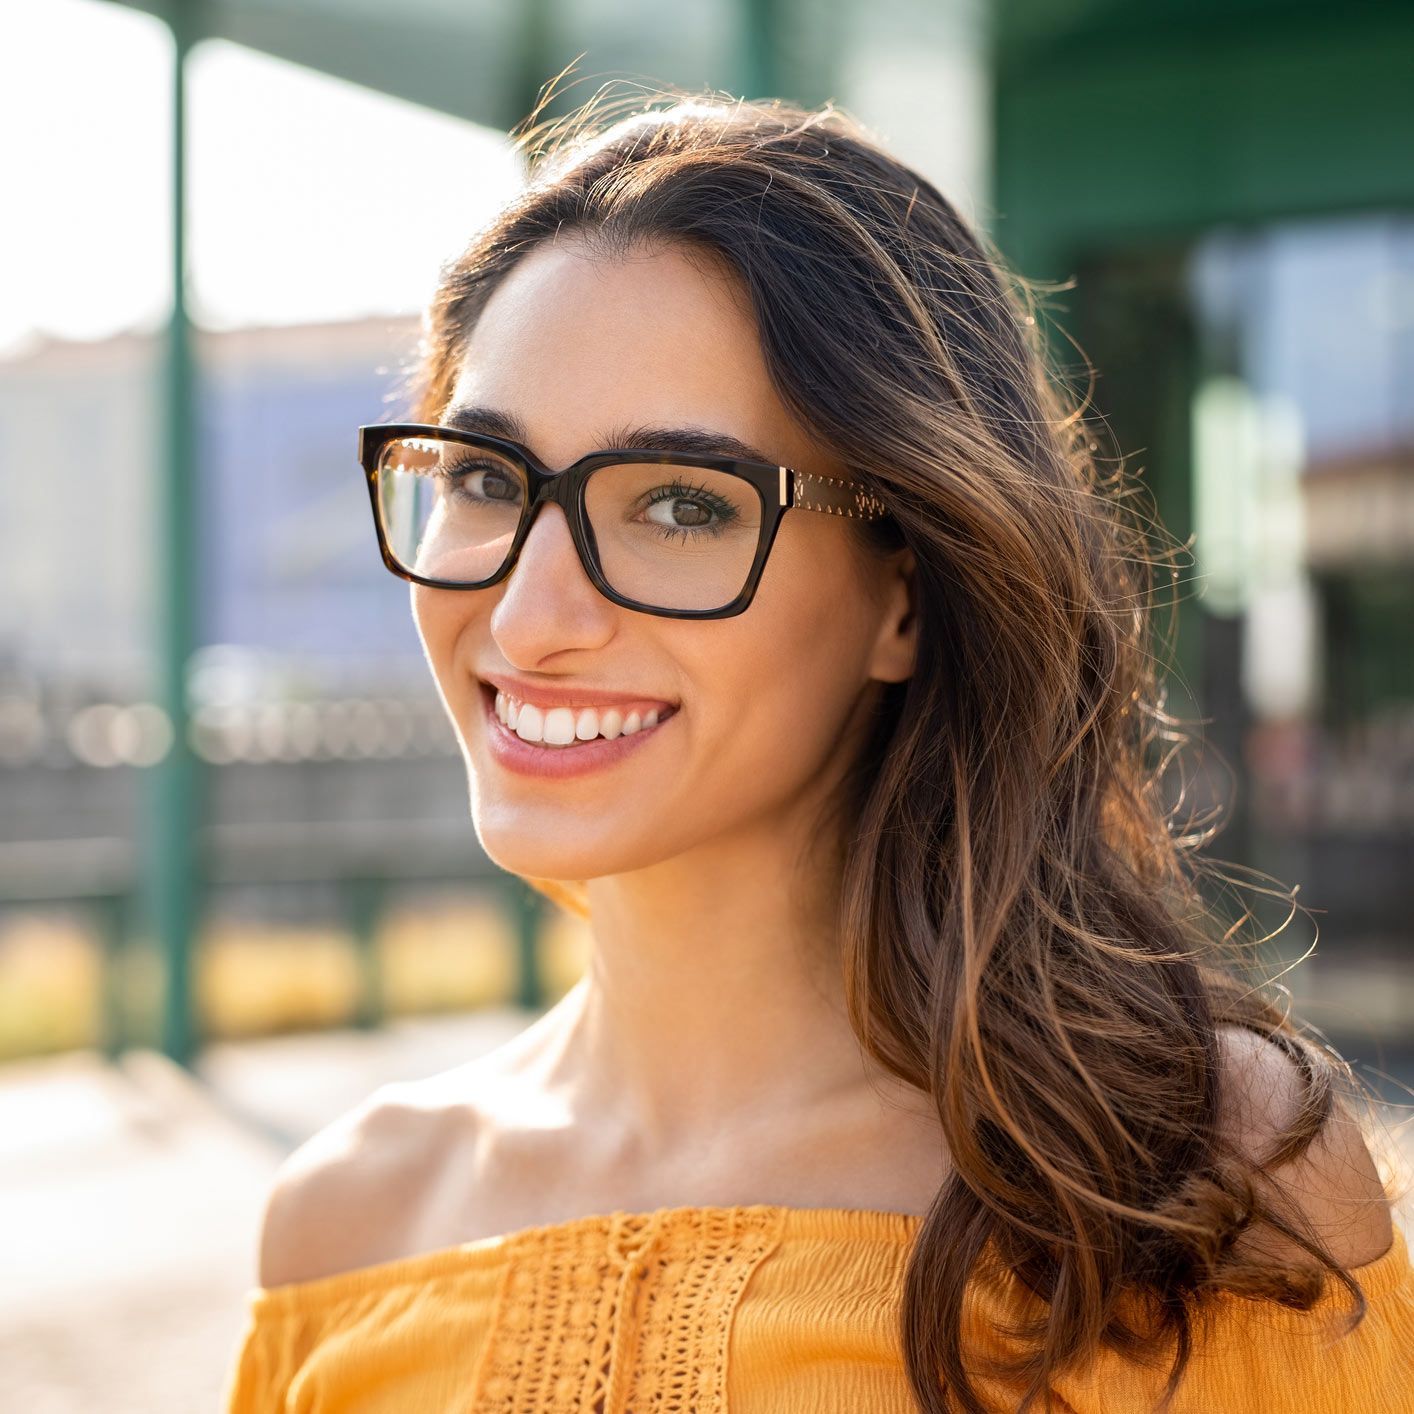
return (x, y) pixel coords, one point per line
(689, 508)
(482, 480)
(683, 511)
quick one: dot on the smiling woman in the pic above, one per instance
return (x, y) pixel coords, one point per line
(908, 1071)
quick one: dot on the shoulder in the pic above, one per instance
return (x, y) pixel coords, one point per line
(1335, 1183)
(344, 1197)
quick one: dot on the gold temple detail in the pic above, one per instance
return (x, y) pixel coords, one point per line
(836, 497)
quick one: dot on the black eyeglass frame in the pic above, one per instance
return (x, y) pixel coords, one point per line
(780, 488)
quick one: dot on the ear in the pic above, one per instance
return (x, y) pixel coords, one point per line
(896, 647)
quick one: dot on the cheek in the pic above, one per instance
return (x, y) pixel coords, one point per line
(813, 623)
(429, 621)
(784, 685)
(441, 616)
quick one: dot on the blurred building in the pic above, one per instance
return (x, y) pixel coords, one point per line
(1304, 512)
(288, 564)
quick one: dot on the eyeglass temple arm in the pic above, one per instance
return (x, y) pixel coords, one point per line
(831, 495)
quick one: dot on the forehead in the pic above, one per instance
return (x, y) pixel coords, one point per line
(573, 342)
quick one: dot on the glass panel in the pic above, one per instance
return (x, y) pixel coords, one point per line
(449, 510)
(676, 537)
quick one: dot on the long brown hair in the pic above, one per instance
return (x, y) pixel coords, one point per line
(1024, 934)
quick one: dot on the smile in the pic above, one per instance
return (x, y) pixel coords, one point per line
(560, 742)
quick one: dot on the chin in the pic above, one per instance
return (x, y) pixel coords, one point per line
(551, 849)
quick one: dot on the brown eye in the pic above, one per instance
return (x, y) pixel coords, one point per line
(495, 483)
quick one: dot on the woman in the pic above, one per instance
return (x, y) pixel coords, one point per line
(907, 1072)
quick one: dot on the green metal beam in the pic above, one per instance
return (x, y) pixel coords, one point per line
(1244, 113)
(459, 59)
(481, 59)
(1050, 33)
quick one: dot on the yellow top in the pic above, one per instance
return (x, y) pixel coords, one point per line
(759, 1309)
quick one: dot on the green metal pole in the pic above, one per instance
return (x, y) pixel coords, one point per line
(112, 913)
(760, 49)
(170, 854)
(363, 903)
(527, 912)
(534, 33)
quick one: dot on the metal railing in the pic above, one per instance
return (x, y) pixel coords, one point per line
(365, 862)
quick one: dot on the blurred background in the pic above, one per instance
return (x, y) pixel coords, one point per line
(239, 886)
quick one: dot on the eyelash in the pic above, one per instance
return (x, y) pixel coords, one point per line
(676, 490)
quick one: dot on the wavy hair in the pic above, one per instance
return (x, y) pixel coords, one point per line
(1024, 932)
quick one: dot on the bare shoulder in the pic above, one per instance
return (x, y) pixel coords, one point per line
(346, 1196)
(417, 1166)
(1335, 1183)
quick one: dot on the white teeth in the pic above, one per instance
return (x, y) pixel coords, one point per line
(559, 726)
(568, 726)
(530, 722)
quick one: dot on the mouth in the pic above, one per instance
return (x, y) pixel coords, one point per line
(610, 735)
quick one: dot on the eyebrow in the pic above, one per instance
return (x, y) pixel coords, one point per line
(495, 422)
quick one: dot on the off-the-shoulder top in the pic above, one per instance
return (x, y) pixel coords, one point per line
(757, 1309)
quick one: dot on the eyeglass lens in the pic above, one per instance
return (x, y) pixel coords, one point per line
(673, 537)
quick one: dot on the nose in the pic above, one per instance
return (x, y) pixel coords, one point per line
(548, 603)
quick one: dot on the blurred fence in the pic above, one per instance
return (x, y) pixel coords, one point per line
(335, 811)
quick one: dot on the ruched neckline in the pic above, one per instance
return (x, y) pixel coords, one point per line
(625, 1232)
(606, 1229)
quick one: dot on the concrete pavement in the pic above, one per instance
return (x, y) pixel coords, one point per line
(130, 1201)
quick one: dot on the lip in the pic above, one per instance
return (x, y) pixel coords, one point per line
(546, 695)
(508, 750)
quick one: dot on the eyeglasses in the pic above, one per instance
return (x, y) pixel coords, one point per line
(685, 536)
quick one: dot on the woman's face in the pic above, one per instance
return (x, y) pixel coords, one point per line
(759, 711)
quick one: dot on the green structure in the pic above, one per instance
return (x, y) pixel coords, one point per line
(1124, 133)
(173, 867)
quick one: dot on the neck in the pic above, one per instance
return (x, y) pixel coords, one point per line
(713, 1000)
